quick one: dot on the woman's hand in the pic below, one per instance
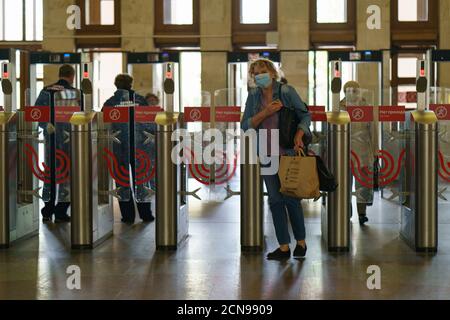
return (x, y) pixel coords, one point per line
(298, 141)
(273, 108)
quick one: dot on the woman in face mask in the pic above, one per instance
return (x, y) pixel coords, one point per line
(265, 100)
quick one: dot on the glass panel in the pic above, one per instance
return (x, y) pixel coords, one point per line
(407, 67)
(99, 12)
(13, 20)
(191, 85)
(106, 67)
(331, 11)
(255, 11)
(30, 19)
(37, 155)
(147, 105)
(33, 22)
(66, 102)
(412, 10)
(116, 114)
(407, 96)
(441, 96)
(179, 12)
(107, 12)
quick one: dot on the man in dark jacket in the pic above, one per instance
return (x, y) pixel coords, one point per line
(57, 202)
(125, 151)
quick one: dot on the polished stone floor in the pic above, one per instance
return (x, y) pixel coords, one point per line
(210, 265)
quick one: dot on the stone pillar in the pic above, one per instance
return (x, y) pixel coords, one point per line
(293, 33)
(137, 35)
(215, 31)
(367, 74)
(57, 37)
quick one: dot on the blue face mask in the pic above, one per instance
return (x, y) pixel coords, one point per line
(263, 80)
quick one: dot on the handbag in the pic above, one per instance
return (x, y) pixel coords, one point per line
(327, 180)
(288, 123)
(299, 177)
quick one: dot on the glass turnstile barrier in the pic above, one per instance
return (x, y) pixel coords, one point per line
(376, 167)
(145, 148)
(50, 162)
(116, 118)
(440, 104)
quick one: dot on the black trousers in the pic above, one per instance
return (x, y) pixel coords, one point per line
(127, 207)
(129, 214)
(59, 210)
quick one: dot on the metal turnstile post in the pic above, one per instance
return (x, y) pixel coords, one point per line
(337, 213)
(171, 209)
(252, 202)
(8, 182)
(82, 201)
(419, 225)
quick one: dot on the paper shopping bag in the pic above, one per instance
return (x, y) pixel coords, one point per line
(299, 177)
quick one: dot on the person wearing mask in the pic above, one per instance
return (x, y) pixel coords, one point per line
(361, 142)
(261, 112)
(125, 94)
(47, 98)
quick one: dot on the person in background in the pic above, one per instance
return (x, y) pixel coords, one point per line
(361, 141)
(47, 98)
(152, 99)
(261, 112)
(124, 93)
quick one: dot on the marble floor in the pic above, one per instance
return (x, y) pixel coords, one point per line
(209, 265)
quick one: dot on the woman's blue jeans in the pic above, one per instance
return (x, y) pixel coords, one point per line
(279, 204)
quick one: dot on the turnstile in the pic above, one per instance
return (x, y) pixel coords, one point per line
(172, 214)
(419, 221)
(92, 213)
(19, 209)
(337, 210)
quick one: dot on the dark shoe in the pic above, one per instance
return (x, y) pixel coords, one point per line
(300, 252)
(363, 220)
(128, 221)
(148, 219)
(46, 219)
(62, 219)
(279, 255)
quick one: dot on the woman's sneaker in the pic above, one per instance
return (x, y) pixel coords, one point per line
(279, 255)
(300, 252)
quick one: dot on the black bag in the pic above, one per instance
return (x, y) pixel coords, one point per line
(327, 180)
(288, 123)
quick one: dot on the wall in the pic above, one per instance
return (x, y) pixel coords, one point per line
(367, 73)
(215, 30)
(293, 30)
(137, 31)
(57, 37)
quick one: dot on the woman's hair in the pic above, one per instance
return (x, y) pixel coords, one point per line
(261, 63)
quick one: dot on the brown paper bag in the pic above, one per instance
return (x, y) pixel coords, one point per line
(299, 177)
